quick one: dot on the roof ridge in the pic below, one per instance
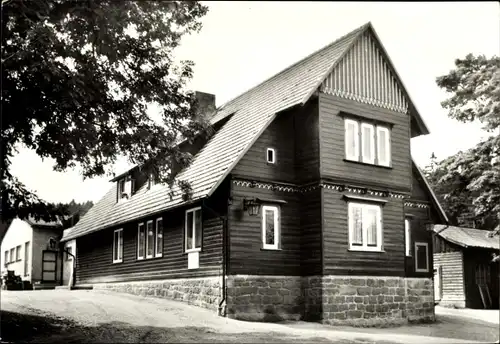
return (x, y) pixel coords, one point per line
(357, 30)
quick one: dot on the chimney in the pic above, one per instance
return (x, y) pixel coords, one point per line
(206, 103)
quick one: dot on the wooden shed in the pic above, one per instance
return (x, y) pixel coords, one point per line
(464, 275)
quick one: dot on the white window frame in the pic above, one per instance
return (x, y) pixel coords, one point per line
(120, 247)
(387, 145)
(12, 255)
(273, 160)
(147, 241)
(408, 237)
(354, 157)
(276, 210)
(364, 246)
(157, 240)
(195, 249)
(139, 241)
(364, 158)
(426, 245)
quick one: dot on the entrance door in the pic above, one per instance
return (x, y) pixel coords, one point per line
(437, 283)
(49, 264)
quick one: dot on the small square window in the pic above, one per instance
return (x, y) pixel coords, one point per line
(271, 156)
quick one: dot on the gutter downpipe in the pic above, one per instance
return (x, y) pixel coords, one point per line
(224, 257)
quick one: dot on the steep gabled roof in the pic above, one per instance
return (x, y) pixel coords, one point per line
(250, 114)
(467, 237)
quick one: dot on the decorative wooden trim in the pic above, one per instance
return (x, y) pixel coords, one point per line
(415, 204)
(321, 184)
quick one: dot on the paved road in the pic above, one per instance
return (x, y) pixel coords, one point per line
(111, 317)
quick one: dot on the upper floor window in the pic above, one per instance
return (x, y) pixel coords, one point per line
(365, 227)
(271, 156)
(193, 231)
(18, 252)
(125, 188)
(407, 237)
(11, 255)
(421, 257)
(368, 143)
(6, 260)
(118, 246)
(270, 227)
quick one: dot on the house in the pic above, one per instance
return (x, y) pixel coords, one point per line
(30, 249)
(465, 275)
(305, 203)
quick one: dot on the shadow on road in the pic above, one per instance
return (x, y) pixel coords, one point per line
(18, 327)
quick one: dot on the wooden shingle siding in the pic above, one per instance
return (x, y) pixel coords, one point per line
(332, 153)
(339, 260)
(452, 275)
(94, 259)
(307, 142)
(245, 236)
(279, 135)
(311, 241)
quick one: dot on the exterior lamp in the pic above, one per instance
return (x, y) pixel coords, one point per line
(252, 206)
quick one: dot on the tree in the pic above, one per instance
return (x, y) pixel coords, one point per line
(472, 177)
(77, 79)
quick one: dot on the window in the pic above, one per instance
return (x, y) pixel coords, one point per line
(118, 246)
(365, 227)
(152, 180)
(271, 156)
(407, 237)
(11, 255)
(367, 143)
(121, 188)
(69, 250)
(351, 140)
(6, 260)
(270, 227)
(125, 188)
(150, 240)
(18, 253)
(26, 258)
(193, 230)
(141, 241)
(159, 237)
(383, 146)
(421, 257)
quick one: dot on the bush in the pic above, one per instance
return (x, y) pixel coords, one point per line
(11, 281)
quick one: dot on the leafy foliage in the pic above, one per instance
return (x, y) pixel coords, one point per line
(77, 78)
(471, 179)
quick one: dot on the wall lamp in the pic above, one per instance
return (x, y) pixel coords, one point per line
(252, 205)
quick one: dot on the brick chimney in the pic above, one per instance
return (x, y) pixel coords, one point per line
(206, 103)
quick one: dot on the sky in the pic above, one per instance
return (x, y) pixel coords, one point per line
(243, 43)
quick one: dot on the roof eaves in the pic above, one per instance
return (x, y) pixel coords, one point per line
(433, 195)
(358, 33)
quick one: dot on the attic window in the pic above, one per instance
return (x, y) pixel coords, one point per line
(125, 188)
(271, 156)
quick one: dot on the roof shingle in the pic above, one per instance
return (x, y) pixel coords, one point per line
(468, 237)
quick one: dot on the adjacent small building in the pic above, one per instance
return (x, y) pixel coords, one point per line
(464, 273)
(30, 249)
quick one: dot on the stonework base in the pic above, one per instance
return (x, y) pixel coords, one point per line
(202, 292)
(337, 300)
(264, 298)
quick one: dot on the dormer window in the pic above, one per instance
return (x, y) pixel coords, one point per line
(125, 188)
(152, 180)
(271, 156)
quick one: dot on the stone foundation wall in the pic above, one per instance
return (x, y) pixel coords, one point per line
(202, 292)
(369, 300)
(264, 298)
